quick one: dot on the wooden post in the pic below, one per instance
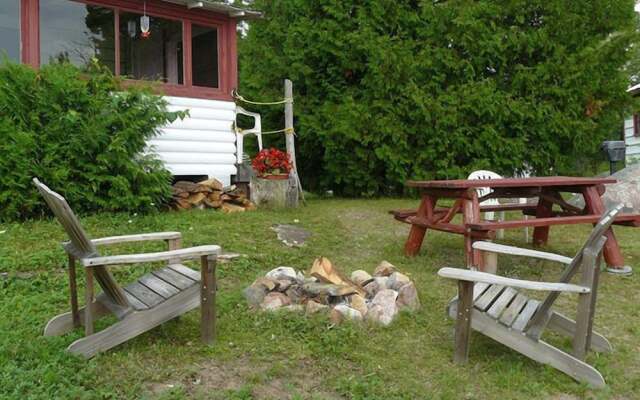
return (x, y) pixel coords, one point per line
(208, 298)
(174, 244)
(463, 322)
(73, 289)
(88, 300)
(294, 181)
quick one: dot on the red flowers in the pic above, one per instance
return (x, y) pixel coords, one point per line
(271, 162)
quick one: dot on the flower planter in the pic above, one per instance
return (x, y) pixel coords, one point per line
(273, 187)
(271, 193)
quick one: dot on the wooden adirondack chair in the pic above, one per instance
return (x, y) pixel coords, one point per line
(140, 306)
(492, 305)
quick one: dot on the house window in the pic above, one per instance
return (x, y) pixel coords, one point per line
(636, 123)
(76, 32)
(191, 49)
(157, 56)
(10, 29)
(204, 45)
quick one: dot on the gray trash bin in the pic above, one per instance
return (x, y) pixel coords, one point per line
(614, 150)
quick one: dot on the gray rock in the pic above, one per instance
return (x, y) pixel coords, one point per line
(295, 293)
(270, 284)
(342, 312)
(383, 307)
(255, 294)
(313, 307)
(282, 273)
(361, 277)
(397, 280)
(291, 235)
(359, 303)
(379, 283)
(385, 268)
(293, 308)
(283, 284)
(382, 281)
(408, 297)
(274, 301)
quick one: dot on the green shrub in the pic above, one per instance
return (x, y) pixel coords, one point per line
(387, 90)
(81, 134)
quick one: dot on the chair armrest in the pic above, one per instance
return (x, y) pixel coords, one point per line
(477, 276)
(517, 251)
(182, 254)
(143, 237)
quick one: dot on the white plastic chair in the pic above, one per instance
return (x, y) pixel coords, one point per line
(256, 130)
(483, 191)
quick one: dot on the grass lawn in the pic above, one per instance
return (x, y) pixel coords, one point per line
(284, 355)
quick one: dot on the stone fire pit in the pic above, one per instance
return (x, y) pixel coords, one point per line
(377, 297)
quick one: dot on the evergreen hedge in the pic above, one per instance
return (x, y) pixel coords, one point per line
(81, 134)
(388, 90)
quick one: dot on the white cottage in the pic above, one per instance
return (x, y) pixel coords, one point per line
(188, 45)
(632, 132)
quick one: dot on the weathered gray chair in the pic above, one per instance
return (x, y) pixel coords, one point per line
(492, 305)
(142, 305)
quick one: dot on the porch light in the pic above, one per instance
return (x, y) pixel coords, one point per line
(144, 23)
(132, 28)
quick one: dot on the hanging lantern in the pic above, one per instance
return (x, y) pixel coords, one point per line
(144, 23)
(144, 26)
(132, 28)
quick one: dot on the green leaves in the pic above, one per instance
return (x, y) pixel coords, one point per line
(390, 90)
(82, 134)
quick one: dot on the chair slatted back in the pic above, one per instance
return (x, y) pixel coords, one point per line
(82, 247)
(594, 243)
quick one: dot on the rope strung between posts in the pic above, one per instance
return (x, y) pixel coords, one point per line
(237, 96)
(285, 130)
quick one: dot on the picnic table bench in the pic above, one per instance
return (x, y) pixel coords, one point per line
(547, 191)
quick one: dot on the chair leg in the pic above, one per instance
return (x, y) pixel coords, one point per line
(463, 322)
(73, 291)
(88, 296)
(208, 299)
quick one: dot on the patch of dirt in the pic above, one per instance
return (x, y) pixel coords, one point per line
(216, 377)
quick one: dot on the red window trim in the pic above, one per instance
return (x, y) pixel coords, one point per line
(227, 43)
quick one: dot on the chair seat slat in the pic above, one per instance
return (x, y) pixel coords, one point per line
(488, 297)
(527, 312)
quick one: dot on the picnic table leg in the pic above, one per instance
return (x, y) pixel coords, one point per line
(611, 251)
(416, 234)
(470, 215)
(541, 233)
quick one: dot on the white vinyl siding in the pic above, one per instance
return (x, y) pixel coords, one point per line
(632, 142)
(203, 143)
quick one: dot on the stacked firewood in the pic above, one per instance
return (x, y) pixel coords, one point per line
(210, 193)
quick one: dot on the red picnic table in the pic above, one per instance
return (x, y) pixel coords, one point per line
(546, 189)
